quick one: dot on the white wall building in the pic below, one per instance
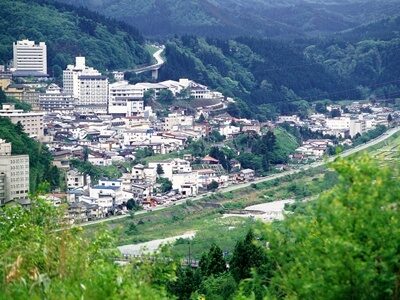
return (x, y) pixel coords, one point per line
(56, 101)
(31, 121)
(177, 121)
(75, 179)
(357, 127)
(125, 99)
(14, 173)
(93, 94)
(30, 58)
(339, 123)
(87, 85)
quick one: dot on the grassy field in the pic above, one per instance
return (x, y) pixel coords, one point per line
(207, 221)
(388, 151)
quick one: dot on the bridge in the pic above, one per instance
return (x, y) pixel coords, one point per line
(153, 68)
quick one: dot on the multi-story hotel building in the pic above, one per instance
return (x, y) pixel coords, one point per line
(87, 85)
(31, 121)
(125, 99)
(14, 175)
(30, 58)
(55, 100)
(93, 94)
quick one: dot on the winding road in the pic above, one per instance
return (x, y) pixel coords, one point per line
(231, 188)
(156, 66)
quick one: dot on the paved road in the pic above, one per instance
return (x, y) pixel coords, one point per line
(231, 188)
(152, 246)
(159, 59)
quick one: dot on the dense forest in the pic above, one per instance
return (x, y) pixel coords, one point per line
(343, 246)
(230, 18)
(278, 76)
(69, 32)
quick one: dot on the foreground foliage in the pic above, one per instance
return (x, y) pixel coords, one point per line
(345, 245)
(37, 261)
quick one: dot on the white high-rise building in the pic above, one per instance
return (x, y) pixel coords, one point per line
(30, 58)
(125, 99)
(87, 85)
(14, 175)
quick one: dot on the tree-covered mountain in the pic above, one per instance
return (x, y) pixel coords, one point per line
(68, 32)
(288, 18)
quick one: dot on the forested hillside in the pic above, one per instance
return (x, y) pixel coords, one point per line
(279, 75)
(69, 32)
(222, 18)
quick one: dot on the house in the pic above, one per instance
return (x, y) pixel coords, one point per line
(205, 177)
(76, 179)
(246, 175)
(210, 160)
(141, 192)
(185, 183)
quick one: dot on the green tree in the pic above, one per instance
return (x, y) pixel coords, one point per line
(216, 137)
(201, 119)
(166, 97)
(220, 287)
(165, 184)
(342, 246)
(159, 170)
(187, 281)
(39, 261)
(246, 256)
(149, 96)
(212, 186)
(213, 262)
(335, 113)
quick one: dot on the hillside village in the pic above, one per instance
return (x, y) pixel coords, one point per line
(124, 145)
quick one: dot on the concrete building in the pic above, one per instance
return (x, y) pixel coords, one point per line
(178, 121)
(87, 85)
(2, 188)
(23, 93)
(14, 175)
(54, 100)
(93, 94)
(118, 76)
(30, 59)
(357, 127)
(5, 79)
(31, 121)
(75, 179)
(125, 99)
(354, 126)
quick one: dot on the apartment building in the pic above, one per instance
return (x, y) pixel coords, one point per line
(14, 175)
(31, 121)
(30, 59)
